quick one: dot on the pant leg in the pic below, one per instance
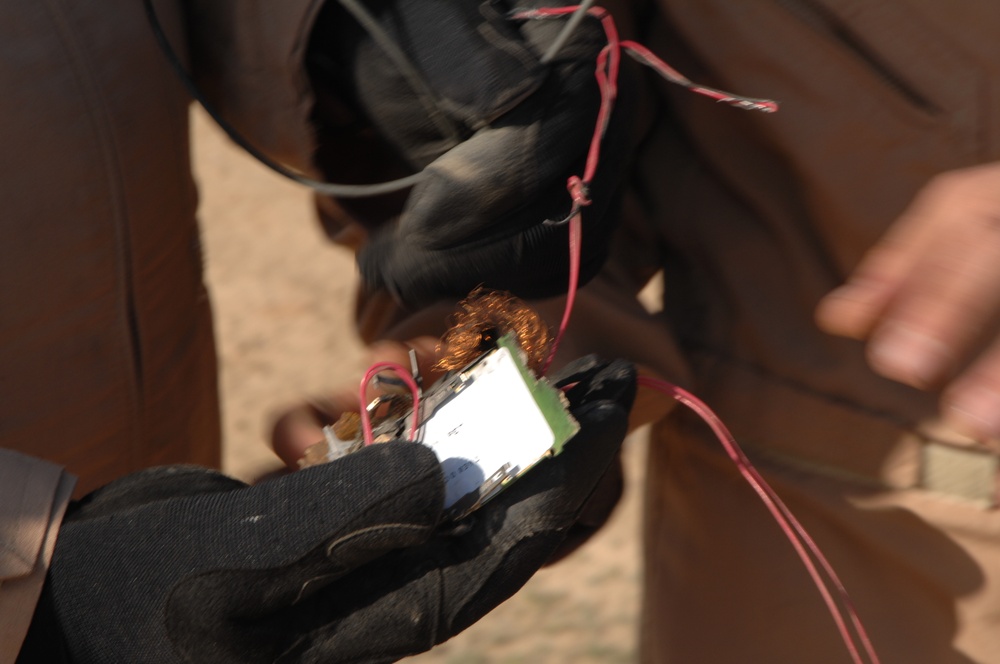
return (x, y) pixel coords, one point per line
(107, 362)
(724, 585)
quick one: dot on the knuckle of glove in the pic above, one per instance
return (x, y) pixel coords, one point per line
(471, 55)
(398, 482)
(365, 544)
(148, 486)
(598, 380)
(477, 218)
(472, 65)
(353, 509)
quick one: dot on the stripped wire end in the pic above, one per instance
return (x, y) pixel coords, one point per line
(644, 56)
(579, 192)
(406, 377)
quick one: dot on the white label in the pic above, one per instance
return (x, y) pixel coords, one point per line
(493, 421)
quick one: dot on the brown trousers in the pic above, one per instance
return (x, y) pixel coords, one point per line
(758, 217)
(105, 334)
(753, 219)
(107, 362)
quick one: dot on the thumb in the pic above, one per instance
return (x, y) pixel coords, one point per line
(395, 489)
(216, 574)
(331, 519)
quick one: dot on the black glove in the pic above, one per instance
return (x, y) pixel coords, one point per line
(348, 561)
(505, 135)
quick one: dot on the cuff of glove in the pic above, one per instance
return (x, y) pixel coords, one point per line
(33, 498)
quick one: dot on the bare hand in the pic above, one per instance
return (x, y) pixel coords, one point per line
(927, 298)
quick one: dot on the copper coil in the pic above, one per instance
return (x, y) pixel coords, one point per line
(485, 316)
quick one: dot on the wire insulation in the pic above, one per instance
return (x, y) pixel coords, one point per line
(808, 551)
(404, 374)
(643, 55)
(567, 31)
(818, 567)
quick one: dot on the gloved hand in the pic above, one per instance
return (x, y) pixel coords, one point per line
(503, 136)
(348, 561)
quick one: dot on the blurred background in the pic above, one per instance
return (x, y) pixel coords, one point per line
(283, 308)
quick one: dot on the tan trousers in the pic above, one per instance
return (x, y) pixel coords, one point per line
(724, 585)
(107, 362)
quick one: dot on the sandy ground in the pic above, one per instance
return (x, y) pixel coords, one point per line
(282, 297)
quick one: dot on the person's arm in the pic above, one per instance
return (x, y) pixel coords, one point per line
(926, 298)
(495, 129)
(351, 560)
(33, 497)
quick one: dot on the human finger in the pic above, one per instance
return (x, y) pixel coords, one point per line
(940, 311)
(853, 310)
(300, 426)
(924, 296)
(971, 403)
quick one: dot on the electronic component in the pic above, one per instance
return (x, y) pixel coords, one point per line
(488, 423)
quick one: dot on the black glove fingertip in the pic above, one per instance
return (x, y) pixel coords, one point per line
(592, 379)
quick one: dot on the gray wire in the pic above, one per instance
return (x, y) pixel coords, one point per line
(567, 31)
(361, 190)
(386, 43)
(326, 188)
(403, 64)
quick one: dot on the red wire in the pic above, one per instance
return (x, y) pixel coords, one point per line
(791, 527)
(575, 238)
(606, 73)
(366, 420)
(607, 78)
(648, 58)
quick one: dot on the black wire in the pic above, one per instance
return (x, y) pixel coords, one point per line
(326, 188)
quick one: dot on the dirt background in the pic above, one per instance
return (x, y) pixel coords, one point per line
(282, 297)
